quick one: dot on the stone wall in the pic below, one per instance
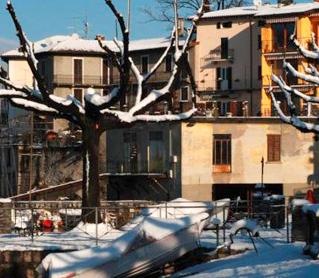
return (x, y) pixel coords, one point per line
(21, 264)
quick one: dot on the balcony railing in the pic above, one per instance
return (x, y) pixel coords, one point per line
(217, 54)
(63, 79)
(275, 46)
(95, 80)
(136, 167)
(236, 84)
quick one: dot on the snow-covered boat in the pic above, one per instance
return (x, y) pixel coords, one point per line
(159, 235)
(149, 245)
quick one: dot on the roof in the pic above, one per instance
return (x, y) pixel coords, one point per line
(264, 10)
(73, 43)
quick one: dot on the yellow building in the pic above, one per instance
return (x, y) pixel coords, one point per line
(277, 46)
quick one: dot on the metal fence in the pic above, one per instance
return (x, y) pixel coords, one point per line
(29, 219)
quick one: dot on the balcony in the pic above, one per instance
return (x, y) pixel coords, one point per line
(236, 85)
(283, 47)
(218, 55)
(85, 80)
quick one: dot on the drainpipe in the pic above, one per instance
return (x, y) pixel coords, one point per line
(251, 65)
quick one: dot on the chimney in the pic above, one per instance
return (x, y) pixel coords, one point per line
(206, 6)
(100, 37)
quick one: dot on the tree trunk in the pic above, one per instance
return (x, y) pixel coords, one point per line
(91, 181)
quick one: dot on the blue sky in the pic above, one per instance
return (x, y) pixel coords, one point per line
(42, 18)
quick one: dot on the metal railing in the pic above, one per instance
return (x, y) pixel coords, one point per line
(136, 167)
(281, 46)
(67, 215)
(236, 84)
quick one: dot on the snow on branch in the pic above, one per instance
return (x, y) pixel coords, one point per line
(303, 76)
(305, 52)
(161, 59)
(127, 117)
(312, 70)
(27, 104)
(287, 89)
(96, 99)
(12, 93)
(179, 55)
(293, 119)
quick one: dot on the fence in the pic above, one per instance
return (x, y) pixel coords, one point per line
(30, 218)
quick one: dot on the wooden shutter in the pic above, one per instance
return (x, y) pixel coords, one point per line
(105, 72)
(224, 48)
(234, 108)
(274, 147)
(78, 71)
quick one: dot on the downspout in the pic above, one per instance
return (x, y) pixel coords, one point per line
(251, 65)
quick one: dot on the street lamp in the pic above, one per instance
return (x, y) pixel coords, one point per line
(262, 176)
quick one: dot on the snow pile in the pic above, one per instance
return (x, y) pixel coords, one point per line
(314, 208)
(177, 208)
(151, 229)
(5, 200)
(91, 229)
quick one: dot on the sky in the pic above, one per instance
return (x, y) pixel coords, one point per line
(43, 18)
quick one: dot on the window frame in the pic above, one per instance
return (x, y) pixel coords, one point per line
(223, 164)
(181, 99)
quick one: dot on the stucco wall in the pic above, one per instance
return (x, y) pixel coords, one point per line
(249, 145)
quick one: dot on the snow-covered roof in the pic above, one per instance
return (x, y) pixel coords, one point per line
(74, 43)
(264, 10)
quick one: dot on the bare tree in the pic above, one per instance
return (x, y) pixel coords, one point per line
(161, 11)
(310, 75)
(97, 114)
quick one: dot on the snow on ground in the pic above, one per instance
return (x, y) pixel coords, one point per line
(284, 260)
(81, 237)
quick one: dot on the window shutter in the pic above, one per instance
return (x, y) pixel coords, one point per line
(234, 108)
(229, 77)
(218, 78)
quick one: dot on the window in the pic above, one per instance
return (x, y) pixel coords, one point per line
(222, 153)
(105, 72)
(42, 68)
(184, 94)
(77, 71)
(156, 152)
(281, 35)
(144, 64)
(78, 94)
(169, 63)
(224, 48)
(227, 24)
(224, 78)
(273, 148)
(130, 152)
